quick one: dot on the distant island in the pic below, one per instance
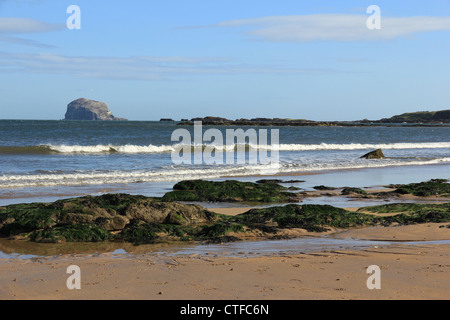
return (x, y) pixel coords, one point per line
(422, 118)
(437, 117)
(84, 109)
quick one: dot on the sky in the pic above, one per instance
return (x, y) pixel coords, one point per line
(147, 60)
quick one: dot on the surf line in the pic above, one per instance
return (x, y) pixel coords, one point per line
(235, 147)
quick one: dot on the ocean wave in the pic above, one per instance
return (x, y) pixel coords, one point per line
(360, 146)
(136, 149)
(175, 173)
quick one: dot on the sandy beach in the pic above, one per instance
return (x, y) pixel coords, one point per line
(214, 151)
(407, 272)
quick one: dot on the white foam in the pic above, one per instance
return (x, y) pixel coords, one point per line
(174, 173)
(282, 147)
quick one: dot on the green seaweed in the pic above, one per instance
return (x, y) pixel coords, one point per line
(434, 187)
(411, 213)
(309, 217)
(230, 191)
(71, 233)
(323, 188)
(90, 219)
(347, 191)
(141, 233)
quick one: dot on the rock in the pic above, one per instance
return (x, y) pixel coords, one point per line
(166, 120)
(322, 187)
(231, 191)
(376, 154)
(348, 191)
(167, 212)
(84, 109)
(115, 224)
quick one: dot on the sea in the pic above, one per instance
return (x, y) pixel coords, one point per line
(48, 160)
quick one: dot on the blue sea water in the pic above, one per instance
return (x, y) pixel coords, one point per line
(65, 158)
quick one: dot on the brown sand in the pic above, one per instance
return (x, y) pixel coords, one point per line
(230, 211)
(423, 232)
(407, 272)
(420, 272)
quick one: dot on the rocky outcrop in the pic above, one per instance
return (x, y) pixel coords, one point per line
(139, 219)
(232, 191)
(376, 154)
(84, 109)
(433, 117)
(106, 217)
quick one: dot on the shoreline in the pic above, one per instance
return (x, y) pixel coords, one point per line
(356, 177)
(414, 261)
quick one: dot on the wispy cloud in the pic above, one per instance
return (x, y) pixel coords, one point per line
(138, 68)
(11, 27)
(25, 25)
(333, 27)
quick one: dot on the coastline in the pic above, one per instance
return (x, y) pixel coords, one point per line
(155, 272)
(360, 177)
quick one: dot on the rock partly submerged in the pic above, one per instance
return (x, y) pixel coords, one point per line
(376, 154)
(84, 109)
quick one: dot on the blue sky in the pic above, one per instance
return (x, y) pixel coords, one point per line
(236, 59)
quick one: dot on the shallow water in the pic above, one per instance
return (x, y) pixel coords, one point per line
(26, 250)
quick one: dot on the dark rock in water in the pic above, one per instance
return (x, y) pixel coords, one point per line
(84, 109)
(347, 191)
(376, 154)
(166, 120)
(322, 187)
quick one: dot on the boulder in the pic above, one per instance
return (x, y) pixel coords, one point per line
(84, 109)
(376, 154)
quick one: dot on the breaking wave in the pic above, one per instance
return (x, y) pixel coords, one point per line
(178, 173)
(130, 149)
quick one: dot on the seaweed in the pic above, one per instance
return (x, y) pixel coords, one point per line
(434, 187)
(71, 233)
(231, 191)
(347, 191)
(138, 219)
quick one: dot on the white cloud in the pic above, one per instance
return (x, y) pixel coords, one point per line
(25, 25)
(9, 27)
(137, 68)
(334, 27)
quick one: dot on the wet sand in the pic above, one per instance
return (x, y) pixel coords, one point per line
(407, 272)
(419, 272)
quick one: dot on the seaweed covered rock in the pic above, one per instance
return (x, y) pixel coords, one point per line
(309, 217)
(348, 191)
(410, 213)
(434, 187)
(140, 219)
(231, 191)
(323, 188)
(94, 218)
